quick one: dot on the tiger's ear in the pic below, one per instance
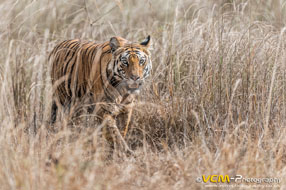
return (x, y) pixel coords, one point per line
(146, 42)
(114, 44)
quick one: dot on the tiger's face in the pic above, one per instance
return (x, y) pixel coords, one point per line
(131, 64)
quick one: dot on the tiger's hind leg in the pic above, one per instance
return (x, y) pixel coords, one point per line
(54, 112)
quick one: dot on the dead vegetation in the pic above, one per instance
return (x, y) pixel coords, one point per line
(215, 103)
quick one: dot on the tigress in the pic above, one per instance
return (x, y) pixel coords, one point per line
(111, 72)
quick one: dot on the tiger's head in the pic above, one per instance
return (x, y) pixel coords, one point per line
(131, 64)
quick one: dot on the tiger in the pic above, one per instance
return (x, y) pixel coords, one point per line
(112, 72)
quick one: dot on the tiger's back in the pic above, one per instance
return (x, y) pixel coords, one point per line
(71, 65)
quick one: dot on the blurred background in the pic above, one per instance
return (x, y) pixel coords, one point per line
(214, 104)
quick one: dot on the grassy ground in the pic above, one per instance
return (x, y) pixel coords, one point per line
(214, 105)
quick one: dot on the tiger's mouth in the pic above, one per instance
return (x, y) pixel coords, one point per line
(133, 90)
(129, 87)
(134, 87)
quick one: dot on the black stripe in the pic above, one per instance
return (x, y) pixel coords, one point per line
(68, 62)
(69, 79)
(86, 50)
(69, 50)
(105, 45)
(93, 50)
(93, 54)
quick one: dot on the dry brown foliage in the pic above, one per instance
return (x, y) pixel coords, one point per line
(215, 103)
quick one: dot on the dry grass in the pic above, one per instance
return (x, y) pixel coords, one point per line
(215, 103)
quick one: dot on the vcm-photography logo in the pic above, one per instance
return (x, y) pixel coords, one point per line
(235, 179)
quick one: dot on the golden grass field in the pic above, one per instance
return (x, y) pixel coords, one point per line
(215, 103)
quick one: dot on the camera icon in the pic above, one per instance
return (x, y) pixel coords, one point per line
(199, 180)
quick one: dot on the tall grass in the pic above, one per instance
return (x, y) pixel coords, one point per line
(214, 104)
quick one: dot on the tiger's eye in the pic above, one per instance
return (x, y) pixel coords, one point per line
(124, 62)
(142, 61)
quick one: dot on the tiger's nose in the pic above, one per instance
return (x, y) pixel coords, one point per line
(134, 77)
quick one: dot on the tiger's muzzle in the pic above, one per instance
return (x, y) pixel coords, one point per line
(134, 84)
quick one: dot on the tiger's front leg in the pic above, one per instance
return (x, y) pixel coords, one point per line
(123, 121)
(115, 129)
